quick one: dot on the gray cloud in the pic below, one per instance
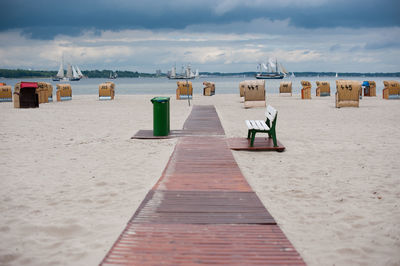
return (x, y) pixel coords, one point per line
(213, 35)
(44, 19)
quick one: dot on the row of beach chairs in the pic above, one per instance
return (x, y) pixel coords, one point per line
(184, 89)
(348, 92)
(31, 94)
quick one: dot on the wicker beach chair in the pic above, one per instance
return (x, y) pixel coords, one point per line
(369, 88)
(285, 87)
(107, 91)
(64, 92)
(347, 93)
(5, 93)
(25, 95)
(323, 88)
(184, 90)
(254, 93)
(45, 92)
(306, 90)
(391, 90)
(209, 88)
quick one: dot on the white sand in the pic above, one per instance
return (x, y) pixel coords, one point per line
(71, 177)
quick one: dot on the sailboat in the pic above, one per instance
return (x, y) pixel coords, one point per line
(60, 73)
(271, 70)
(186, 73)
(113, 75)
(71, 75)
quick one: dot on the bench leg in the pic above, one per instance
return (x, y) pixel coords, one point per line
(252, 139)
(248, 134)
(273, 134)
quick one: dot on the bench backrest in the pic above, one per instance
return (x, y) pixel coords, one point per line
(271, 115)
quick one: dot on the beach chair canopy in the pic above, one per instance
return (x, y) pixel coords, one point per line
(28, 85)
(27, 95)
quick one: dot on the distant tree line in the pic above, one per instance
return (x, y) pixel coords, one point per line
(120, 73)
(23, 73)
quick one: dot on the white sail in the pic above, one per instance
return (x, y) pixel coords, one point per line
(271, 63)
(264, 66)
(79, 72)
(197, 73)
(69, 71)
(173, 72)
(188, 72)
(74, 73)
(283, 69)
(60, 73)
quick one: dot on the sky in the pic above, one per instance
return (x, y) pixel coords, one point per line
(210, 35)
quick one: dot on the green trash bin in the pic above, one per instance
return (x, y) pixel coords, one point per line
(160, 116)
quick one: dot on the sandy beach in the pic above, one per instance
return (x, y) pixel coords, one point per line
(71, 177)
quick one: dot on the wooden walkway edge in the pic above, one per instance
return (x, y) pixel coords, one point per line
(202, 210)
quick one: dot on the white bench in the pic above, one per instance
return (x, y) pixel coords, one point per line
(260, 126)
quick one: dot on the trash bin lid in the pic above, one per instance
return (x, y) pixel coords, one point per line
(160, 99)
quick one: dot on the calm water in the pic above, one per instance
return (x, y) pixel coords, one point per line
(224, 85)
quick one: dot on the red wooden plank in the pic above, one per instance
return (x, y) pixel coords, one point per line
(202, 163)
(202, 207)
(204, 120)
(187, 244)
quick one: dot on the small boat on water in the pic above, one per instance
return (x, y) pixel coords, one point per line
(271, 70)
(113, 75)
(186, 73)
(73, 73)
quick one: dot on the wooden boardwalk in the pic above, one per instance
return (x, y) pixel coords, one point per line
(202, 210)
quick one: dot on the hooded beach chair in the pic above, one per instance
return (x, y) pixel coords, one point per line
(391, 90)
(347, 93)
(25, 95)
(64, 92)
(184, 90)
(285, 87)
(323, 88)
(209, 88)
(369, 88)
(5, 93)
(254, 93)
(306, 90)
(107, 91)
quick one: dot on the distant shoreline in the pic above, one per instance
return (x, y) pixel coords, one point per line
(22, 73)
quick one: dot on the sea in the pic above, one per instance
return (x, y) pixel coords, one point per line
(223, 85)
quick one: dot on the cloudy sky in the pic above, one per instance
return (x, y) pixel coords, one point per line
(211, 35)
